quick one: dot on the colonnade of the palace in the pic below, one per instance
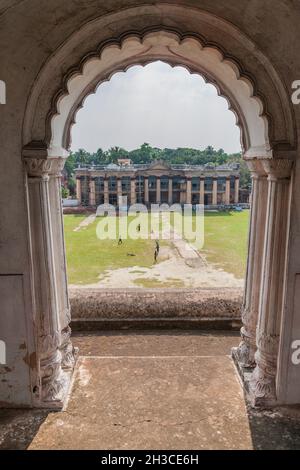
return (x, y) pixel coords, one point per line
(187, 194)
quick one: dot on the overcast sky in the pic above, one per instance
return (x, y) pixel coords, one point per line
(157, 104)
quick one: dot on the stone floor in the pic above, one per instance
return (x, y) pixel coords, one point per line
(168, 390)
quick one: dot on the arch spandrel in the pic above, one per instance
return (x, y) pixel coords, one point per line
(267, 124)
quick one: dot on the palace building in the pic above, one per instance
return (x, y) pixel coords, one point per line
(158, 183)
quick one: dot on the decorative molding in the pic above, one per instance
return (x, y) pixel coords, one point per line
(278, 168)
(176, 49)
(41, 167)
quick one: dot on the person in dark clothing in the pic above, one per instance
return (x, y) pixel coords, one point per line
(120, 241)
(157, 246)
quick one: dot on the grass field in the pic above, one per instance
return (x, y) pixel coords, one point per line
(88, 257)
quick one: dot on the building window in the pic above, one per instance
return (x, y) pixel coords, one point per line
(112, 183)
(113, 199)
(177, 183)
(208, 184)
(126, 183)
(164, 183)
(221, 185)
(152, 182)
(195, 184)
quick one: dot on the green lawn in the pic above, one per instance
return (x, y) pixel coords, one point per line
(88, 257)
(225, 243)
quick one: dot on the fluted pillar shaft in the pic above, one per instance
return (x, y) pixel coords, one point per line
(106, 191)
(92, 193)
(78, 190)
(227, 192)
(263, 383)
(146, 191)
(158, 195)
(244, 354)
(215, 192)
(189, 191)
(132, 191)
(202, 191)
(170, 191)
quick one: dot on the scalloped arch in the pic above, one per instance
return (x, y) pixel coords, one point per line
(189, 52)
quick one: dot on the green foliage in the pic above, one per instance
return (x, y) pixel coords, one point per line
(147, 154)
(64, 192)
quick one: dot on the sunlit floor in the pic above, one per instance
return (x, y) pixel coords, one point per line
(152, 390)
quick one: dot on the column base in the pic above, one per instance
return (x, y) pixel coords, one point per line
(259, 390)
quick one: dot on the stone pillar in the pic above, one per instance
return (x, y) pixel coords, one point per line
(244, 354)
(215, 192)
(227, 192)
(263, 381)
(92, 193)
(236, 190)
(158, 196)
(106, 191)
(202, 191)
(66, 347)
(119, 191)
(146, 191)
(53, 345)
(189, 191)
(78, 189)
(170, 191)
(133, 191)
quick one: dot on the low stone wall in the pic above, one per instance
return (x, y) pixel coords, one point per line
(133, 305)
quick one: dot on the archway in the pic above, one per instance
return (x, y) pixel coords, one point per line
(268, 143)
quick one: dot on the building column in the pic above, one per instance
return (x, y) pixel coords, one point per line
(170, 191)
(189, 191)
(202, 191)
(146, 191)
(119, 191)
(263, 381)
(92, 193)
(133, 191)
(227, 192)
(244, 354)
(215, 192)
(55, 354)
(106, 191)
(236, 190)
(158, 195)
(78, 189)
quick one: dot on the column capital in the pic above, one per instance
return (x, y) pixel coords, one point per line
(41, 167)
(278, 169)
(256, 167)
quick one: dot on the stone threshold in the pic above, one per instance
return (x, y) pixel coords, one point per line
(99, 324)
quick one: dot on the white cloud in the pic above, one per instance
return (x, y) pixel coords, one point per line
(164, 106)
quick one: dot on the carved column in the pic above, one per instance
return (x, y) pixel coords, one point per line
(78, 189)
(170, 191)
(50, 297)
(227, 192)
(263, 382)
(132, 191)
(106, 191)
(215, 192)
(202, 191)
(146, 191)
(244, 354)
(66, 347)
(92, 194)
(189, 191)
(158, 196)
(236, 190)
